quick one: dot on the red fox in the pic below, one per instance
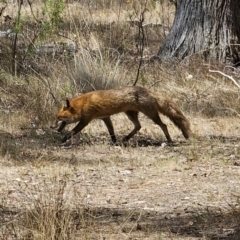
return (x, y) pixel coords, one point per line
(102, 104)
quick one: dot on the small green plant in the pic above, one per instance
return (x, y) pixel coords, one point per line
(52, 10)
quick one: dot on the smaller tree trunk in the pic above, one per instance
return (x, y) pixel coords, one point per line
(210, 27)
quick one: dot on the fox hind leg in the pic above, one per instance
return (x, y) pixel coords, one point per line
(108, 123)
(133, 117)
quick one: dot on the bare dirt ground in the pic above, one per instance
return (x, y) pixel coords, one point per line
(146, 190)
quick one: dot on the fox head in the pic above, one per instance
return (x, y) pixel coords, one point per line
(65, 116)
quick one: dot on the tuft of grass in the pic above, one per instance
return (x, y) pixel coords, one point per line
(46, 211)
(94, 70)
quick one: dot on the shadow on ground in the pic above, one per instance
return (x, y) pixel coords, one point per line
(31, 143)
(207, 224)
(26, 144)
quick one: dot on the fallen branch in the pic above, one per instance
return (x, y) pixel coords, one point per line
(225, 75)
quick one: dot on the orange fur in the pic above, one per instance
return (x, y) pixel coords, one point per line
(131, 100)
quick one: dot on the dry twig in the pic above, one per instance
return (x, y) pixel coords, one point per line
(225, 75)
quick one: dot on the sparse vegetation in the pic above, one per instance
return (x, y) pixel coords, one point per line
(93, 190)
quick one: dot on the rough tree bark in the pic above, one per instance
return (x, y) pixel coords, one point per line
(210, 27)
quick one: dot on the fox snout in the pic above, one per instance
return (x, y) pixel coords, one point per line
(59, 125)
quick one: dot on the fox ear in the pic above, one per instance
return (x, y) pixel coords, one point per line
(67, 103)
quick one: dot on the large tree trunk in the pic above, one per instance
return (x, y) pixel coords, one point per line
(211, 27)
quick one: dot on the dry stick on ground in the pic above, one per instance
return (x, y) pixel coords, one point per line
(225, 75)
(233, 80)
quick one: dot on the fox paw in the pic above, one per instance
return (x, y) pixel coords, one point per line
(66, 137)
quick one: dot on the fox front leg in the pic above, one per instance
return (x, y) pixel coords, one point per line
(78, 128)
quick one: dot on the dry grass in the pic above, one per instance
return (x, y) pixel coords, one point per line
(93, 190)
(96, 71)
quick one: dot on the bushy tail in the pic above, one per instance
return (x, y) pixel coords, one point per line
(171, 110)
